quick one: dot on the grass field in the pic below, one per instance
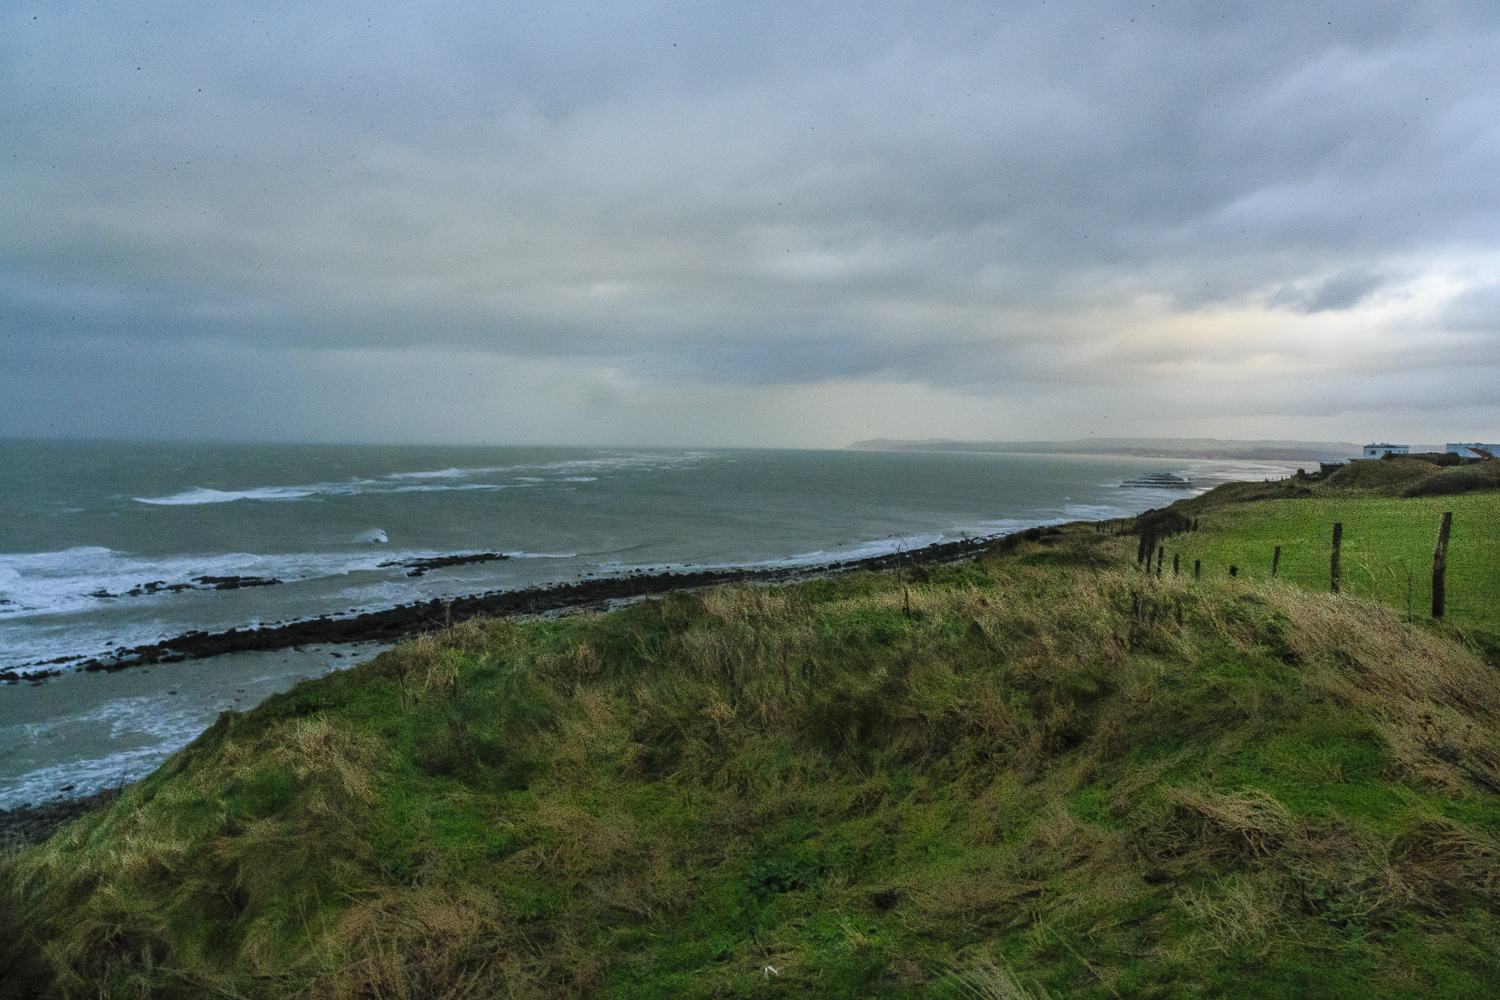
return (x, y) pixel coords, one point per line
(1038, 776)
(1387, 548)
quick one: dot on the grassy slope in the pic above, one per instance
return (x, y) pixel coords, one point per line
(1054, 776)
(1387, 548)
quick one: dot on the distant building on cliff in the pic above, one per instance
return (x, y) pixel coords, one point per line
(1474, 449)
(1381, 450)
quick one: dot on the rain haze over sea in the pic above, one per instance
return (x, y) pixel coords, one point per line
(114, 545)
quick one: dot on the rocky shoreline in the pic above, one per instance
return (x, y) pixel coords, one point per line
(407, 619)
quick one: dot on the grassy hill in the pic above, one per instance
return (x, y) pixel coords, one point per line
(1043, 774)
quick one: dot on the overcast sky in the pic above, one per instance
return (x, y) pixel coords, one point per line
(750, 223)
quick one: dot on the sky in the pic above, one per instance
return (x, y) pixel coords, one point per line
(789, 224)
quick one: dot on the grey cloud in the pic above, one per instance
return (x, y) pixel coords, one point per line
(1341, 291)
(756, 194)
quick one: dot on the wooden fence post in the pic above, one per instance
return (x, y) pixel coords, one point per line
(1275, 561)
(1333, 563)
(1440, 568)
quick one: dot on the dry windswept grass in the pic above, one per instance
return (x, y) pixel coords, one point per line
(1048, 774)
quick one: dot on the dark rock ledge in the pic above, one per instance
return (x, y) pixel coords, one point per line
(419, 567)
(203, 583)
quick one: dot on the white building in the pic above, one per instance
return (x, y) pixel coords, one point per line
(1473, 449)
(1378, 450)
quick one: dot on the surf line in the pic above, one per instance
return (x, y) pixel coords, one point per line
(425, 616)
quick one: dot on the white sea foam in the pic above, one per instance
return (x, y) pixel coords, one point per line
(392, 482)
(818, 557)
(86, 776)
(56, 610)
(198, 495)
(859, 550)
(437, 474)
(440, 489)
(41, 583)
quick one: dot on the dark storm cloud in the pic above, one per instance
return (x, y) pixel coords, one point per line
(1005, 195)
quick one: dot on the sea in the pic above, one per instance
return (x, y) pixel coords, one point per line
(105, 546)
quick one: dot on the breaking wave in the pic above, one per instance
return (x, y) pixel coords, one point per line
(400, 482)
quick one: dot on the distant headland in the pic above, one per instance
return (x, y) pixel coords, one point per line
(1291, 451)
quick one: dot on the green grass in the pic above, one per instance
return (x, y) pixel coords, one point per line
(1040, 775)
(1387, 548)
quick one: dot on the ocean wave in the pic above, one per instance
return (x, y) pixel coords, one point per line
(80, 579)
(629, 460)
(817, 557)
(441, 489)
(199, 495)
(395, 482)
(437, 474)
(859, 550)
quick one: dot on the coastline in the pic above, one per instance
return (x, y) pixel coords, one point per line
(122, 580)
(394, 623)
(32, 822)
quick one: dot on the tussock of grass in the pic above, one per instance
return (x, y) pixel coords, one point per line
(1047, 774)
